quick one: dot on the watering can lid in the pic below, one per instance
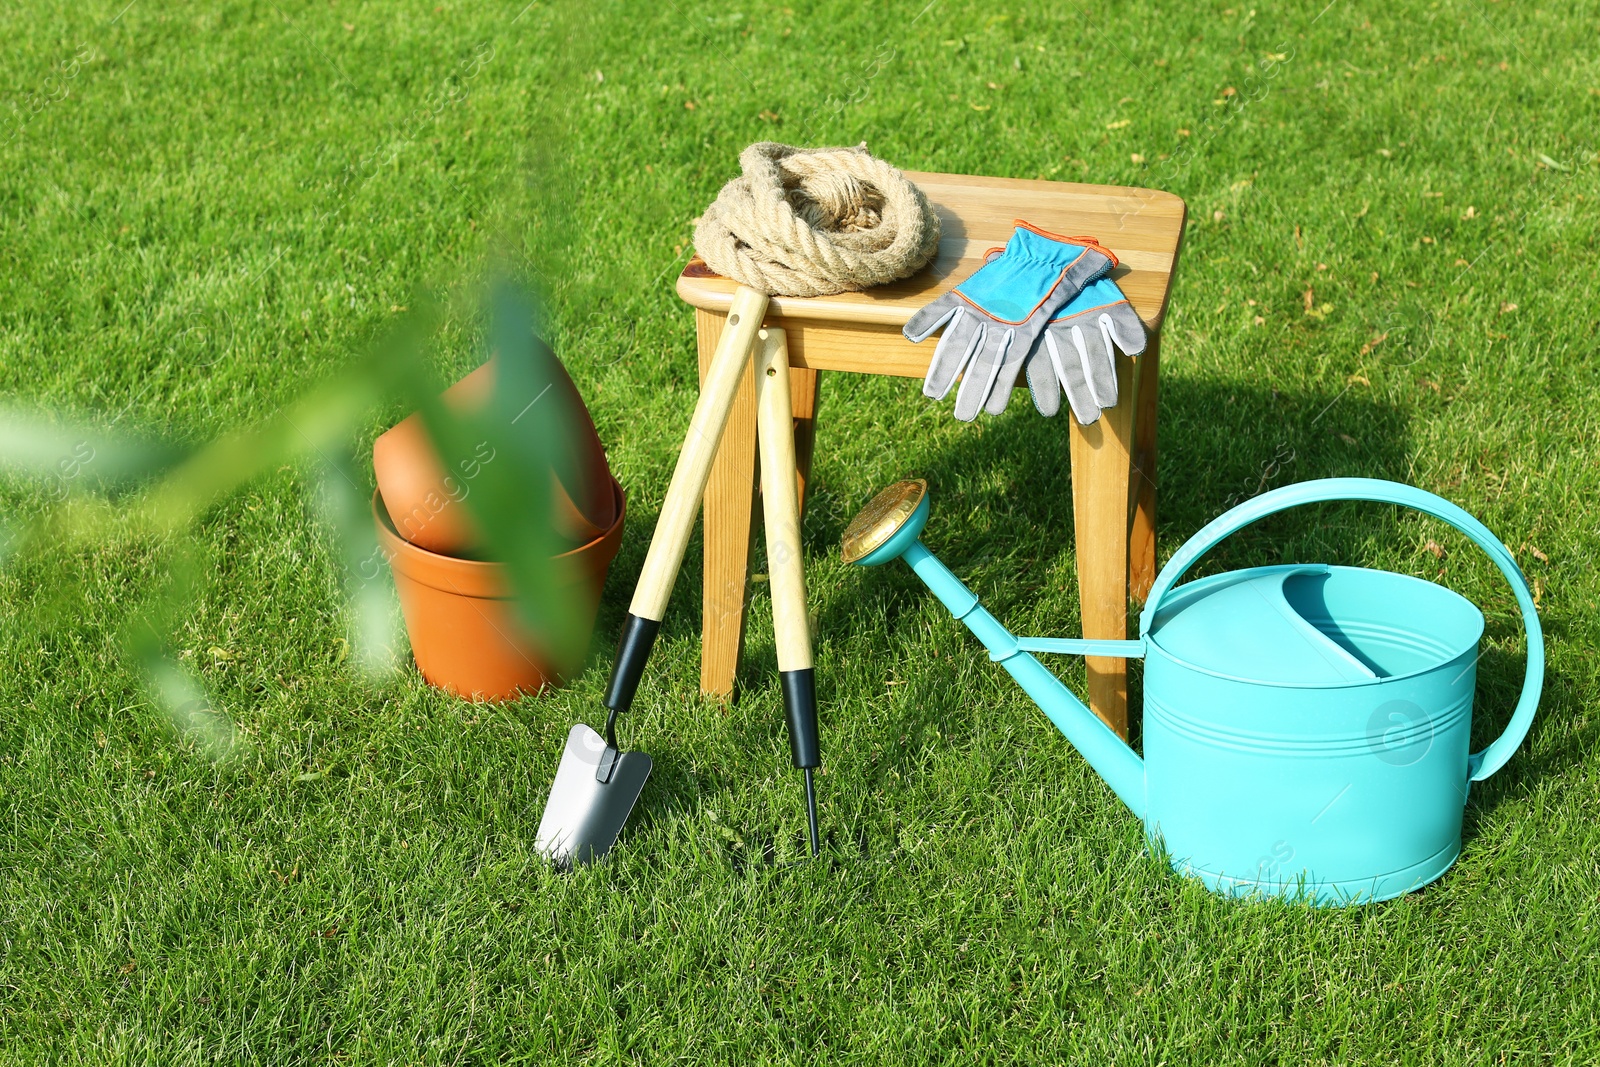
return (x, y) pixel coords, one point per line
(1241, 625)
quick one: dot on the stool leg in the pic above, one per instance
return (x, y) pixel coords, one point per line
(1142, 532)
(1101, 468)
(805, 389)
(729, 509)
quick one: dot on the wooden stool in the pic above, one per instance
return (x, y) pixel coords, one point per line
(1113, 460)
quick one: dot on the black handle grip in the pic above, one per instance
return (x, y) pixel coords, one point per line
(800, 705)
(638, 638)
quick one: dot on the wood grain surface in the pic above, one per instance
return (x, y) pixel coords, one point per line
(1142, 226)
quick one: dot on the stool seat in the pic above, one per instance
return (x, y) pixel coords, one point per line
(1142, 226)
(1113, 460)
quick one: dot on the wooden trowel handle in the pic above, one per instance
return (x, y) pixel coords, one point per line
(682, 502)
(689, 478)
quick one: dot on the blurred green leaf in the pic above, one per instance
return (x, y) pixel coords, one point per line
(73, 454)
(526, 430)
(313, 426)
(187, 709)
(347, 508)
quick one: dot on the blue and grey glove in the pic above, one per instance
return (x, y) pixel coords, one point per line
(993, 319)
(1077, 352)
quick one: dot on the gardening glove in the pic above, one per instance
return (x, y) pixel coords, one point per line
(1078, 352)
(993, 318)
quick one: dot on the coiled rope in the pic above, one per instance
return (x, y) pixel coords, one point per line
(816, 221)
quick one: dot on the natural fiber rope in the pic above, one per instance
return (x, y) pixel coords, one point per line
(816, 221)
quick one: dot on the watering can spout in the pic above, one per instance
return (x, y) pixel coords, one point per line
(888, 528)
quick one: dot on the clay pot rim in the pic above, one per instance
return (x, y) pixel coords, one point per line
(481, 578)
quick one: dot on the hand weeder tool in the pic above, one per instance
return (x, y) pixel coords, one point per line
(596, 783)
(791, 624)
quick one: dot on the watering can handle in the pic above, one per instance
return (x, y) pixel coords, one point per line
(1480, 765)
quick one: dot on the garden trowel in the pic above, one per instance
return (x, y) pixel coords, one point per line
(597, 783)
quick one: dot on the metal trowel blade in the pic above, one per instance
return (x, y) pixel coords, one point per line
(584, 816)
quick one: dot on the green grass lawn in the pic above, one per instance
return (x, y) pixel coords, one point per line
(204, 207)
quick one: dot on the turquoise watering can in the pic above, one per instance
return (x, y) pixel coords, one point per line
(1305, 727)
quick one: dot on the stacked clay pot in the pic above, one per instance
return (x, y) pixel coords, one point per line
(466, 636)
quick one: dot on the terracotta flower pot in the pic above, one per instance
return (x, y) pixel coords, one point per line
(465, 634)
(424, 500)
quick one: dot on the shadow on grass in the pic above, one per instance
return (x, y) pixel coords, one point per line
(1002, 494)
(1003, 521)
(1561, 735)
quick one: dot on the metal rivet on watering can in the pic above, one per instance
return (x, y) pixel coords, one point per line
(1306, 727)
